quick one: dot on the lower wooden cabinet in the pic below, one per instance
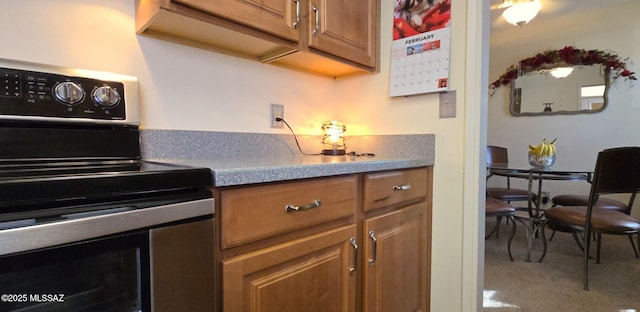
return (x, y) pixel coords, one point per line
(307, 274)
(395, 269)
(353, 253)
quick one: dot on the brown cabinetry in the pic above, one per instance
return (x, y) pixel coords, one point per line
(346, 29)
(396, 262)
(277, 17)
(268, 210)
(315, 245)
(394, 187)
(332, 38)
(306, 274)
(397, 241)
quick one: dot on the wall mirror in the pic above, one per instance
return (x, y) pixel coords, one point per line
(565, 81)
(560, 90)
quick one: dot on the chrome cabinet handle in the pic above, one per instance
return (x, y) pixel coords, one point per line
(405, 187)
(291, 208)
(295, 24)
(317, 15)
(355, 256)
(375, 248)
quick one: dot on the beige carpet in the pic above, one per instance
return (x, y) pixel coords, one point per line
(556, 283)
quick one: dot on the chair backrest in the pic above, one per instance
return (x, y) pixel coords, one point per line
(497, 155)
(617, 171)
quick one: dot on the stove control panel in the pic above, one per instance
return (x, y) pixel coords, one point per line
(47, 93)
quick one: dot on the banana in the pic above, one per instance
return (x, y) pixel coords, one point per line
(537, 150)
(542, 155)
(545, 148)
(541, 150)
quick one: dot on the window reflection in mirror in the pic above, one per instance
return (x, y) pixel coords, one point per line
(592, 97)
(541, 93)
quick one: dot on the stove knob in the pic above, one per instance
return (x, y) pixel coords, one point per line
(69, 93)
(105, 96)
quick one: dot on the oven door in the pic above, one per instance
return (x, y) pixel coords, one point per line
(100, 275)
(151, 259)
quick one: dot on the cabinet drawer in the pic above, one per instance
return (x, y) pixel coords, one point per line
(388, 188)
(253, 213)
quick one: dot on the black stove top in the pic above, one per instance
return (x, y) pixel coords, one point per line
(34, 187)
(51, 165)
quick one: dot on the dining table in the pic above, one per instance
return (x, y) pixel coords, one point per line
(559, 171)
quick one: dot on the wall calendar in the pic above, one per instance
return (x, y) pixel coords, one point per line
(421, 47)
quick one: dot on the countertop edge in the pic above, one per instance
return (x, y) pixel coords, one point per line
(235, 173)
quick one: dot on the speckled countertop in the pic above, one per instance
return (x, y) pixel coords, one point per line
(242, 158)
(238, 171)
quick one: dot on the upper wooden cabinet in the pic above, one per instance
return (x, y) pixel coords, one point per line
(331, 38)
(345, 29)
(277, 17)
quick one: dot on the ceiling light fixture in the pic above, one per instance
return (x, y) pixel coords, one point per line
(521, 12)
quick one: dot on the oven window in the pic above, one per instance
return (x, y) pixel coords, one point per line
(100, 275)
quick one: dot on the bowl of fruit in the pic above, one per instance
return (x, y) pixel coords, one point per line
(543, 155)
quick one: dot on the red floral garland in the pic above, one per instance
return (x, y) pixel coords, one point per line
(570, 56)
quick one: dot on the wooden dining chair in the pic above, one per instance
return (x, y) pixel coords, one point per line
(617, 171)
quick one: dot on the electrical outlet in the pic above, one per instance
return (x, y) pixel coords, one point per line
(545, 197)
(277, 111)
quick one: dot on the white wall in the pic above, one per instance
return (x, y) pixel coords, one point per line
(187, 88)
(580, 137)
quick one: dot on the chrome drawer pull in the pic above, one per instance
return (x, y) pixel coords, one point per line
(375, 248)
(317, 25)
(355, 256)
(405, 187)
(292, 208)
(295, 24)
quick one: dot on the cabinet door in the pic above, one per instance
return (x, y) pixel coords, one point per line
(345, 28)
(276, 17)
(308, 274)
(396, 266)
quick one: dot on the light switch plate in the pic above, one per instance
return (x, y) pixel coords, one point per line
(448, 104)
